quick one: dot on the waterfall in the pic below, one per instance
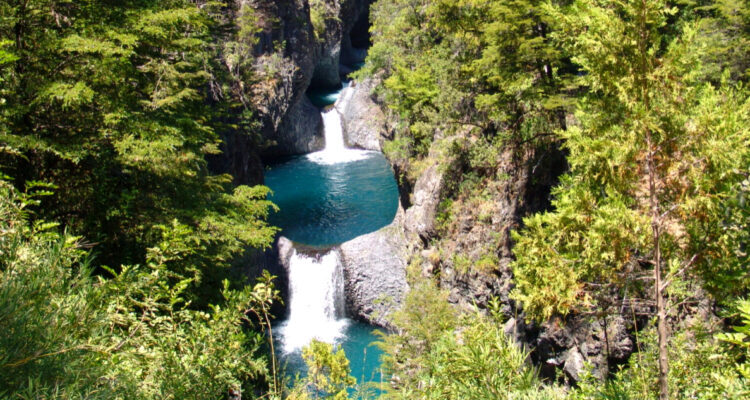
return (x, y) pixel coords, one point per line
(316, 304)
(335, 150)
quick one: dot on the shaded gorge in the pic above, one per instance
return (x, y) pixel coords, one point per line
(327, 198)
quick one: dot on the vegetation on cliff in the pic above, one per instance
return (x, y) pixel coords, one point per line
(648, 101)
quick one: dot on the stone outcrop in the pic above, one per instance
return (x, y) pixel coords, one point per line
(356, 37)
(429, 190)
(479, 229)
(363, 119)
(570, 345)
(375, 273)
(420, 217)
(336, 54)
(301, 131)
(326, 73)
(284, 76)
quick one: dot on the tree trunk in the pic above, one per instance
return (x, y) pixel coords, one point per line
(661, 308)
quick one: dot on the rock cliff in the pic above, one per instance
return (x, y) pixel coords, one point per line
(375, 273)
(363, 119)
(286, 57)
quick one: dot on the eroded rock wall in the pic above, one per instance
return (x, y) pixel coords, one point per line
(287, 59)
(363, 119)
(375, 273)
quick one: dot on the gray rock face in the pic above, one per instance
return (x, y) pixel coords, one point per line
(286, 59)
(574, 363)
(363, 119)
(356, 21)
(238, 159)
(284, 75)
(420, 217)
(285, 250)
(602, 343)
(301, 131)
(375, 273)
(326, 75)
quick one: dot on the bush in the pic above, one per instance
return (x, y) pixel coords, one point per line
(69, 334)
(438, 354)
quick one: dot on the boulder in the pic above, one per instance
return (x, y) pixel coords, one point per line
(420, 217)
(363, 119)
(601, 343)
(301, 131)
(285, 250)
(375, 273)
(573, 363)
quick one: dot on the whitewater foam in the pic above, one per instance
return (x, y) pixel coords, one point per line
(316, 304)
(335, 150)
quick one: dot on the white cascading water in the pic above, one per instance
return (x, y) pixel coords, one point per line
(335, 150)
(316, 304)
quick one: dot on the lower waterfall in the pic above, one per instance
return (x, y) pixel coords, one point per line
(316, 304)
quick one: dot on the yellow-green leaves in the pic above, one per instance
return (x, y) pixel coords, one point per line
(69, 95)
(328, 370)
(644, 103)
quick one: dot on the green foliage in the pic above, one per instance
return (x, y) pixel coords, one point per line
(328, 373)
(321, 13)
(484, 155)
(118, 107)
(480, 362)
(461, 263)
(112, 107)
(700, 368)
(740, 340)
(644, 101)
(437, 354)
(74, 335)
(421, 321)
(238, 56)
(487, 263)
(397, 149)
(482, 68)
(724, 27)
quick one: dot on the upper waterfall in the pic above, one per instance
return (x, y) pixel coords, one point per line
(335, 150)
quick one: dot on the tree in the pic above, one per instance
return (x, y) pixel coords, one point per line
(655, 157)
(113, 105)
(328, 372)
(71, 334)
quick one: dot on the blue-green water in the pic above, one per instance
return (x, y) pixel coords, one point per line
(325, 204)
(323, 98)
(327, 198)
(358, 344)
